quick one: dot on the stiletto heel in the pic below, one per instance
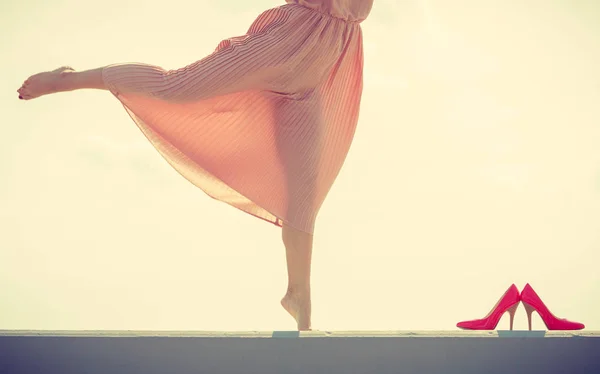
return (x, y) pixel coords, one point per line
(532, 302)
(529, 310)
(511, 312)
(509, 302)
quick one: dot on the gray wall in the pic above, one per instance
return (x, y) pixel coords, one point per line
(394, 355)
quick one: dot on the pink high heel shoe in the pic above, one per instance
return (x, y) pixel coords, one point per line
(532, 302)
(509, 302)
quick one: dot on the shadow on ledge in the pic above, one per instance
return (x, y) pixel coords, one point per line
(292, 352)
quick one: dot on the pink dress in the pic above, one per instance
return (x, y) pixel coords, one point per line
(265, 122)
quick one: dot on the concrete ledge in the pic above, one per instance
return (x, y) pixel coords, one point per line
(422, 352)
(306, 334)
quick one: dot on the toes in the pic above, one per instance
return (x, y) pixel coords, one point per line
(24, 93)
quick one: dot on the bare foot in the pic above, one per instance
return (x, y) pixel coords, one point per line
(299, 308)
(42, 84)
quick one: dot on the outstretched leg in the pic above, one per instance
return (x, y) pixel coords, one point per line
(297, 302)
(59, 80)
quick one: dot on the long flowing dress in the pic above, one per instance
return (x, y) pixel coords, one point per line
(265, 122)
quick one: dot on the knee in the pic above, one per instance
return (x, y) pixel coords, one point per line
(293, 238)
(287, 236)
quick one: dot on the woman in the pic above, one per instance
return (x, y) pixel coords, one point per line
(264, 123)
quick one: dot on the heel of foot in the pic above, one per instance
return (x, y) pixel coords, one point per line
(65, 70)
(66, 78)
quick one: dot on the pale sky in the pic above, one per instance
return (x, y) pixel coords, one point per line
(476, 164)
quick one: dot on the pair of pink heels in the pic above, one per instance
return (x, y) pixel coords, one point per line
(509, 302)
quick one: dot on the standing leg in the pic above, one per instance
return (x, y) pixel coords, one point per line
(298, 250)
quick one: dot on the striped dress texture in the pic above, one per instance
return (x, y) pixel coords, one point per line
(265, 122)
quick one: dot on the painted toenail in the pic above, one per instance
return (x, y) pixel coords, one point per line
(20, 97)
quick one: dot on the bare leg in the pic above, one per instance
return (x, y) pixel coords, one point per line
(297, 302)
(60, 80)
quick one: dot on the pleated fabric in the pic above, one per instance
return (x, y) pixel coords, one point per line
(265, 122)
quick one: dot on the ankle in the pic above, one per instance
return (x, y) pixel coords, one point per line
(296, 292)
(65, 82)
